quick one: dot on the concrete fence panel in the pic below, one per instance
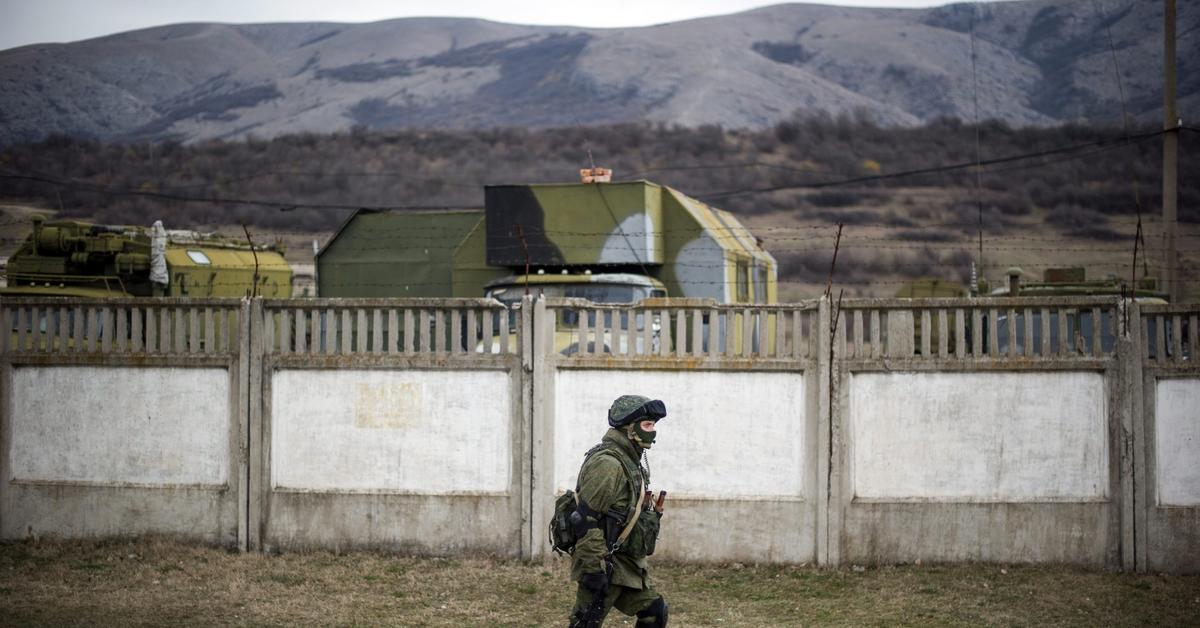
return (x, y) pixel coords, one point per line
(971, 431)
(123, 417)
(391, 427)
(1177, 442)
(1168, 478)
(979, 437)
(868, 431)
(738, 451)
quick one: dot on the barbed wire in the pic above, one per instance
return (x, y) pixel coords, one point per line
(720, 230)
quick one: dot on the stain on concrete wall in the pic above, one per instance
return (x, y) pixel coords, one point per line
(979, 437)
(111, 425)
(428, 432)
(1177, 436)
(394, 406)
(726, 434)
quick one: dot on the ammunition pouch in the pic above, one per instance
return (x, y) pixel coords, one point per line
(562, 524)
(573, 518)
(644, 537)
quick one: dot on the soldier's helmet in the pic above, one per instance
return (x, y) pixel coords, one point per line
(629, 408)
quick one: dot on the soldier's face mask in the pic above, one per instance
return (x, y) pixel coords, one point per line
(642, 435)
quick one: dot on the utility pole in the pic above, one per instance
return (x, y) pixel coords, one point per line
(1170, 152)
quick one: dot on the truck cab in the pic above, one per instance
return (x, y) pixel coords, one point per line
(594, 287)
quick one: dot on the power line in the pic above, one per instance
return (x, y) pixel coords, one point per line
(282, 205)
(1110, 143)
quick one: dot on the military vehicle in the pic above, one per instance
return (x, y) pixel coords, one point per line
(635, 228)
(70, 258)
(1055, 282)
(1065, 282)
(596, 240)
(602, 241)
(1073, 281)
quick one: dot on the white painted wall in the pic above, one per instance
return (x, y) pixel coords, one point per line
(987, 437)
(1177, 442)
(151, 426)
(726, 435)
(428, 432)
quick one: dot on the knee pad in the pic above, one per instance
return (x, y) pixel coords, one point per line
(655, 615)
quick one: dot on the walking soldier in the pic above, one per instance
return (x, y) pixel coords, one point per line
(615, 523)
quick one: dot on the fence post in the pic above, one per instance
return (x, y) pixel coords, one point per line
(1132, 444)
(828, 537)
(253, 344)
(541, 481)
(242, 417)
(525, 445)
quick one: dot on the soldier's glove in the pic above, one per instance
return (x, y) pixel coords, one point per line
(596, 583)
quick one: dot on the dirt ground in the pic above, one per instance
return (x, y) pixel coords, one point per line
(140, 583)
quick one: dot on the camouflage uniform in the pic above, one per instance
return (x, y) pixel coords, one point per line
(604, 487)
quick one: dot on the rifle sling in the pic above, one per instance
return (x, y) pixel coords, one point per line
(633, 517)
(641, 493)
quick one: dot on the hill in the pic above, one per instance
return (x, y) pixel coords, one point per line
(792, 184)
(1040, 62)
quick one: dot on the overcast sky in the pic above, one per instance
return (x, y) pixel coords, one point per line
(42, 21)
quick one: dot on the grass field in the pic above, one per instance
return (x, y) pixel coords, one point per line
(165, 583)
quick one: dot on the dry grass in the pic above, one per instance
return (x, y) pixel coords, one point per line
(876, 259)
(160, 582)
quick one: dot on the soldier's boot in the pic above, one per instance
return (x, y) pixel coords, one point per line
(655, 615)
(580, 619)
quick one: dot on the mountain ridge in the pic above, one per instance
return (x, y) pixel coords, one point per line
(1037, 62)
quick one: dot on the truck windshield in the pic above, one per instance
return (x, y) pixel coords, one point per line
(594, 292)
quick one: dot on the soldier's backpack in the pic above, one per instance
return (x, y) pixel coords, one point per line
(562, 530)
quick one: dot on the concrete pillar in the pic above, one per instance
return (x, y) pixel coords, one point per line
(254, 456)
(542, 429)
(524, 406)
(1133, 430)
(1127, 402)
(828, 532)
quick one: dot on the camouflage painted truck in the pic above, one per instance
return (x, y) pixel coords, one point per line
(606, 242)
(596, 240)
(78, 259)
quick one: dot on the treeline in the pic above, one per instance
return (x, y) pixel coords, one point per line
(1078, 190)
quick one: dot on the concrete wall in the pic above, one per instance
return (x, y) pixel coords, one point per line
(1169, 513)
(107, 450)
(993, 466)
(735, 453)
(1177, 440)
(110, 426)
(727, 435)
(413, 459)
(891, 447)
(979, 437)
(391, 431)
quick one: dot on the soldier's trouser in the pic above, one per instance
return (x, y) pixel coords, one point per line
(628, 601)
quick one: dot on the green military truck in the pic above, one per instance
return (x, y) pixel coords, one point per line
(605, 242)
(1072, 282)
(1055, 282)
(79, 259)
